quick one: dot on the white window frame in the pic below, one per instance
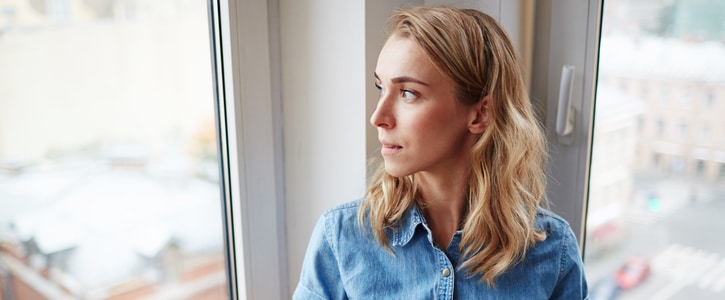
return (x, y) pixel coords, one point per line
(248, 117)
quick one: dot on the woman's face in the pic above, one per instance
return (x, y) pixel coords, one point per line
(421, 125)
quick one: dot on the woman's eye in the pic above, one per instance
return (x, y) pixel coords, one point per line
(380, 88)
(408, 94)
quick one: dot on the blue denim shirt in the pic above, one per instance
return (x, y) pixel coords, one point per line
(344, 261)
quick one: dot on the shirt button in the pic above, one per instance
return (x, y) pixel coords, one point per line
(446, 272)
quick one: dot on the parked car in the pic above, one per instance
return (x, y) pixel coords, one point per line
(633, 272)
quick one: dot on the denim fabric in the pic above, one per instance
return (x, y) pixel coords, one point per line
(344, 261)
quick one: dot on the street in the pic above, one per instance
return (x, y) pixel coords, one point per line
(682, 240)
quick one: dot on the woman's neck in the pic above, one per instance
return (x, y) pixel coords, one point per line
(443, 199)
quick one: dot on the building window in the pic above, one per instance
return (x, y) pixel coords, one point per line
(660, 127)
(705, 134)
(678, 165)
(700, 167)
(656, 160)
(683, 131)
(710, 99)
(686, 98)
(644, 91)
(60, 11)
(664, 95)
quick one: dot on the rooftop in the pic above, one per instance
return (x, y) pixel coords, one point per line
(662, 59)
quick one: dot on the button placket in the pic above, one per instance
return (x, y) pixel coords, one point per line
(446, 277)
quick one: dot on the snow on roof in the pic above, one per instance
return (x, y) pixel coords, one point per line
(662, 58)
(112, 219)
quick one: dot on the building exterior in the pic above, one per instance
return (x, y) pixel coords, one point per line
(681, 85)
(612, 166)
(658, 116)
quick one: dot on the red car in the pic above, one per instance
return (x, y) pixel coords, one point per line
(632, 273)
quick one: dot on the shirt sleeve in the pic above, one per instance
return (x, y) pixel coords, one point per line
(571, 283)
(320, 275)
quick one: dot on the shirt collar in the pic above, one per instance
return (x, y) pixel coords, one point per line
(408, 223)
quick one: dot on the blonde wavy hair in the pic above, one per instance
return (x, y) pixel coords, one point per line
(507, 178)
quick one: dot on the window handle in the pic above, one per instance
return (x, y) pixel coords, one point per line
(564, 115)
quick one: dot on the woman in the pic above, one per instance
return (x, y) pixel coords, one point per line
(454, 211)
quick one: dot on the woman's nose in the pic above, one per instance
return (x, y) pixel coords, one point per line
(382, 116)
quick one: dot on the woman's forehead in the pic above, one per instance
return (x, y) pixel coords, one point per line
(401, 56)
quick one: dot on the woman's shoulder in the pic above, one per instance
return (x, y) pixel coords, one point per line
(344, 208)
(552, 223)
(560, 240)
(342, 219)
(343, 212)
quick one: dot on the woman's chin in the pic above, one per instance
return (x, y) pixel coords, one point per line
(396, 171)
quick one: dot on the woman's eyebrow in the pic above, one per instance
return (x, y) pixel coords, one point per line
(404, 79)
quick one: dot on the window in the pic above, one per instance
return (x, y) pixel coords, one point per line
(670, 215)
(640, 124)
(678, 165)
(664, 95)
(710, 99)
(109, 173)
(682, 130)
(661, 128)
(656, 158)
(644, 91)
(705, 134)
(686, 98)
(59, 11)
(700, 165)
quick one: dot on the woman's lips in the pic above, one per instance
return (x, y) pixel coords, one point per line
(390, 149)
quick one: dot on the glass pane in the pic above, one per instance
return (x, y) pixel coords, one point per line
(109, 183)
(657, 188)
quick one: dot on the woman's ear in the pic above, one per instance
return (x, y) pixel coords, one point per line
(478, 122)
